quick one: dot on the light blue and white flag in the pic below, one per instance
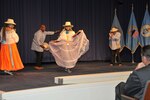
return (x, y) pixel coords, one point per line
(145, 29)
(132, 36)
(118, 26)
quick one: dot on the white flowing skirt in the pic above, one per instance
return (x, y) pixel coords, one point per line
(66, 54)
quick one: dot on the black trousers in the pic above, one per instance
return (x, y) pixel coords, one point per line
(119, 89)
(39, 57)
(115, 56)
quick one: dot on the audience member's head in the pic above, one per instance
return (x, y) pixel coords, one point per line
(145, 53)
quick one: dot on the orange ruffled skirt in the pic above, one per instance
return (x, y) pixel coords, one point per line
(9, 58)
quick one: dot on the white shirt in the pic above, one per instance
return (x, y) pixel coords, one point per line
(66, 36)
(11, 37)
(115, 41)
(39, 38)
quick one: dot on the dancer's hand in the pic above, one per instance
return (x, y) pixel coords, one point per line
(55, 41)
(80, 31)
(57, 31)
(42, 46)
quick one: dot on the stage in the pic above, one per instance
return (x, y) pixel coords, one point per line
(29, 78)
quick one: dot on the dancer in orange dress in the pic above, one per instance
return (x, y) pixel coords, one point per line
(9, 56)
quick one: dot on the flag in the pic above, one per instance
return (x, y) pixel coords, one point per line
(117, 25)
(145, 29)
(132, 36)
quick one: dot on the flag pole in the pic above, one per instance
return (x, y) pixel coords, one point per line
(116, 54)
(132, 7)
(146, 6)
(115, 11)
(132, 53)
(133, 58)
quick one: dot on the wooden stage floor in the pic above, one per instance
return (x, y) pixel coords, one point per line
(29, 78)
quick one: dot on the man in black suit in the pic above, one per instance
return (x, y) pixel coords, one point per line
(135, 84)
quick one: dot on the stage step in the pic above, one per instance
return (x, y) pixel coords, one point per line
(89, 78)
(85, 91)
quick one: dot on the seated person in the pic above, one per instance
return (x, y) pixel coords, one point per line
(68, 48)
(135, 84)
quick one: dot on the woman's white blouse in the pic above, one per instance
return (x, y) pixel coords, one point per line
(66, 37)
(11, 37)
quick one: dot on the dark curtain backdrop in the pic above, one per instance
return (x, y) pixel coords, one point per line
(93, 16)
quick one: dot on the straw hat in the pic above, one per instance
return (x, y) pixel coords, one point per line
(10, 21)
(113, 29)
(68, 24)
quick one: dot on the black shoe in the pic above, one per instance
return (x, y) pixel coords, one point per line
(68, 70)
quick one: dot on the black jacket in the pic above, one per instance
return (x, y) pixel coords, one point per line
(136, 82)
